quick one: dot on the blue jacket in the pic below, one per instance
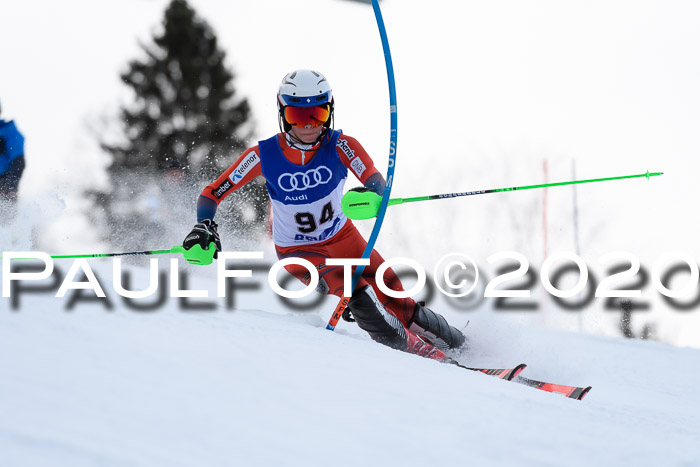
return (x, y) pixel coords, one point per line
(11, 144)
(11, 158)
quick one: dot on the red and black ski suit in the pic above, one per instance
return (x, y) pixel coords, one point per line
(305, 184)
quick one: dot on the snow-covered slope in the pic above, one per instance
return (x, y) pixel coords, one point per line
(259, 385)
(609, 85)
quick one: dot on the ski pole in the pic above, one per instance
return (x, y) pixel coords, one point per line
(358, 205)
(175, 249)
(195, 255)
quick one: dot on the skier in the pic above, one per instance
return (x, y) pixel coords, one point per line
(11, 160)
(305, 167)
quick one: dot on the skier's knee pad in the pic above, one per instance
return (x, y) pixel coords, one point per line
(372, 317)
(434, 327)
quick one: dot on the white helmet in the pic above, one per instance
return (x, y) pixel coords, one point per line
(304, 88)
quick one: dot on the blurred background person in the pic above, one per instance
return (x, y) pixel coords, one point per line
(11, 165)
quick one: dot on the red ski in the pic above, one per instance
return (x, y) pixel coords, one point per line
(513, 374)
(572, 392)
(506, 373)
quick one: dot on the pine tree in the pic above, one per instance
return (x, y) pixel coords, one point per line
(185, 112)
(184, 127)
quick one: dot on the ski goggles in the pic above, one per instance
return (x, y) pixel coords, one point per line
(302, 116)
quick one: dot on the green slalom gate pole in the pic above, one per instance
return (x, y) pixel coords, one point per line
(195, 255)
(359, 205)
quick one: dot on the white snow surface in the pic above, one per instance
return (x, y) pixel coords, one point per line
(259, 385)
(610, 85)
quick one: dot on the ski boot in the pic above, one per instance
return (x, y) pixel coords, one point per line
(435, 329)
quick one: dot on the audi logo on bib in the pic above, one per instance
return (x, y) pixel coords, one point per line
(305, 180)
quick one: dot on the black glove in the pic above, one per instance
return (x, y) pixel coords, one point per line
(347, 315)
(203, 234)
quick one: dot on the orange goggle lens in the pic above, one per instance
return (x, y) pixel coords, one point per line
(302, 116)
